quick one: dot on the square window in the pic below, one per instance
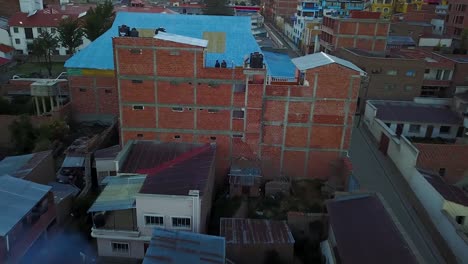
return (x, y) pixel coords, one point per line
(82, 89)
(137, 81)
(17, 41)
(213, 138)
(444, 129)
(442, 172)
(460, 219)
(177, 109)
(408, 88)
(392, 72)
(414, 128)
(239, 88)
(177, 136)
(181, 222)
(411, 73)
(108, 91)
(138, 107)
(15, 29)
(239, 114)
(120, 247)
(153, 220)
(427, 70)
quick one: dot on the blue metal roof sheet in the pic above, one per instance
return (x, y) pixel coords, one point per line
(17, 198)
(400, 40)
(239, 40)
(10, 165)
(172, 246)
(279, 64)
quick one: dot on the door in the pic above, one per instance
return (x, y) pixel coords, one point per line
(384, 141)
(399, 129)
(429, 131)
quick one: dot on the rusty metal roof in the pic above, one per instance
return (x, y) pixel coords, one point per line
(255, 231)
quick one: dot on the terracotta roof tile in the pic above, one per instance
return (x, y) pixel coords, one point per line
(48, 17)
(5, 48)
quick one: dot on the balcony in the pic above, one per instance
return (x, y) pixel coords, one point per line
(29, 234)
(278, 80)
(433, 82)
(117, 223)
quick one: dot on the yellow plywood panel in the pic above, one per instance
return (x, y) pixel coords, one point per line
(146, 33)
(216, 41)
(105, 73)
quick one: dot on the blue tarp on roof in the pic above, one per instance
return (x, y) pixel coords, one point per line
(17, 198)
(279, 64)
(400, 40)
(239, 40)
(172, 246)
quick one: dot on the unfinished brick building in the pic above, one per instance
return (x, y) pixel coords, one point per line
(170, 90)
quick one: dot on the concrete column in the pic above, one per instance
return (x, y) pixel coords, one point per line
(36, 102)
(43, 104)
(51, 103)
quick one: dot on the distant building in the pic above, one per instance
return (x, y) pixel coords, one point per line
(457, 18)
(307, 18)
(362, 30)
(165, 185)
(37, 167)
(105, 162)
(254, 239)
(244, 178)
(176, 246)
(64, 198)
(364, 230)
(28, 211)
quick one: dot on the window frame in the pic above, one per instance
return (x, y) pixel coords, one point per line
(177, 109)
(17, 41)
(137, 107)
(126, 252)
(181, 227)
(445, 132)
(391, 72)
(15, 30)
(156, 216)
(415, 131)
(234, 116)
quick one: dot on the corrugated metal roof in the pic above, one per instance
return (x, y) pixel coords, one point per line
(239, 39)
(107, 153)
(119, 193)
(320, 59)
(20, 166)
(450, 192)
(255, 231)
(17, 198)
(182, 39)
(171, 246)
(73, 162)
(62, 190)
(365, 232)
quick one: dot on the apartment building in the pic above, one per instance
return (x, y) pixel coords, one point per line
(343, 8)
(169, 89)
(363, 30)
(385, 7)
(159, 185)
(28, 210)
(456, 20)
(306, 26)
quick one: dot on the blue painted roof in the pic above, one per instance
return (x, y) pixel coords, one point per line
(239, 39)
(172, 246)
(10, 165)
(279, 64)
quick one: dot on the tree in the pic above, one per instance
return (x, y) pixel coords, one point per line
(98, 20)
(23, 134)
(44, 46)
(70, 34)
(218, 8)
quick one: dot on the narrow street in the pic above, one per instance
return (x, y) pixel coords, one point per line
(289, 44)
(376, 172)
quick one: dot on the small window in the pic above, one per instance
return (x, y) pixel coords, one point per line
(120, 247)
(177, 136)
(139, 135)
(108, 91)
(153, 220)
(174, 53)
(17, 41)
(213, 138)
(408, 88)
(53, 30)
(137, 81)
(392, 72)
(82, 89)
(181, 222)
(444, 129)
(39, 30)
(414, 128)
(212, 111)
(138, 107)
(411, 73)
(177, 109)
(237, 136)
(427, 70)
(239, 88)
(460, 219)
(442, 172)
(15, 29)
(136, 51)
(238, 114)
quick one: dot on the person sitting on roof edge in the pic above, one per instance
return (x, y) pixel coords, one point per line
(217, 64)
(223, 64)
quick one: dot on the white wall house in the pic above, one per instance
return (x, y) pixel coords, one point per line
(412, 119)
(308, 11)
(446, 206)
(132, 205)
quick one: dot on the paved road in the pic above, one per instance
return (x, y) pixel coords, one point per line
(375, 172)
(295, 52)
